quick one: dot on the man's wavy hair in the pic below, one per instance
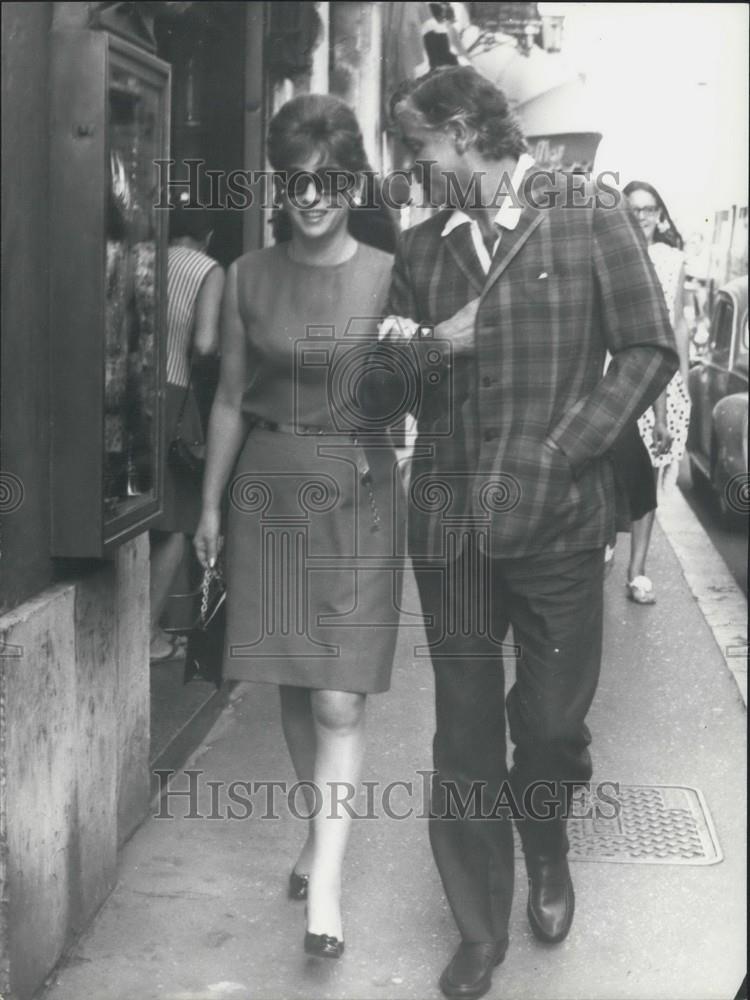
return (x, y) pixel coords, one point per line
(452, 94)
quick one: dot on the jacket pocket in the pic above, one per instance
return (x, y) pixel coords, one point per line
(556, 475)
(540, 286)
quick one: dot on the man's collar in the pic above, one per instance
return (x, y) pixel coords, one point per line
(509, 212)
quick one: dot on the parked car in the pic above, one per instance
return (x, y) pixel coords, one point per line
(718, 384)
(696, 316)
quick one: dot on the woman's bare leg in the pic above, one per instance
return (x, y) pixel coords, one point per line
(640, 539)
(166, 555)
(299, 733)
(339, 718)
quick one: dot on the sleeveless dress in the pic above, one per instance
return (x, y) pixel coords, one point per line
(313, 551)
(668, 262)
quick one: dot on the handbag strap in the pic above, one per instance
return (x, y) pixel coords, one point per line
(209, 574)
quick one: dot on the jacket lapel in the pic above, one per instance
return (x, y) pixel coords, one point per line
(461, 246)
(511, 242)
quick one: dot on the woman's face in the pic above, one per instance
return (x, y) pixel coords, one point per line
(643, 204)
(314, 208)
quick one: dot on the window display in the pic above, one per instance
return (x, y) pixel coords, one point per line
(111, 323)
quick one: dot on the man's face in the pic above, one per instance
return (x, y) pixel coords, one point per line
(432, 154)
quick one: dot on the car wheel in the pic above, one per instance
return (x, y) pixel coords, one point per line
(725, 511)
(730, 516)
(717, 483)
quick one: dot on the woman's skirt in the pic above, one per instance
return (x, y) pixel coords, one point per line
(313, 560)
(635, 481)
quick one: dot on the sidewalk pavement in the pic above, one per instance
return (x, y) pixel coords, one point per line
(200, 909)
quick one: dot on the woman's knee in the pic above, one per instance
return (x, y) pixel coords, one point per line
(338, 710)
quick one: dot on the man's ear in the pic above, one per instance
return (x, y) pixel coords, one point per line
(462, 136)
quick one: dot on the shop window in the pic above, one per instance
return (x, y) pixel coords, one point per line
(110, 125)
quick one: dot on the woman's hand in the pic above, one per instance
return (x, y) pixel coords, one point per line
(395, 328)
(207, 539)
(662, 437)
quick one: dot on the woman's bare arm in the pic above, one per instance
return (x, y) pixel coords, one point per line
(226, 424)
(207, 314)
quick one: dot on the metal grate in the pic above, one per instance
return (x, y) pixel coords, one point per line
(652, 824)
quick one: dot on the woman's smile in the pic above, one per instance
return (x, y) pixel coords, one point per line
(313, 216)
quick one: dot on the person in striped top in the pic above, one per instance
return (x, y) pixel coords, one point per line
(195, 284)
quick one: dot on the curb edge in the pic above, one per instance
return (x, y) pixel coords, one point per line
(720, 600)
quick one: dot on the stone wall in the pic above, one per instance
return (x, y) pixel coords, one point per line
(74, 782)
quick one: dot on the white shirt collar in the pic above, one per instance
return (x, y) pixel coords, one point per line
(509, 212)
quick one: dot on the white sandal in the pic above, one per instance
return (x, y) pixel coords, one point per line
(641, 590)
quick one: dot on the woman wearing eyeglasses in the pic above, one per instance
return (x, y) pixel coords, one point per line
(311, 552)
(652, 450)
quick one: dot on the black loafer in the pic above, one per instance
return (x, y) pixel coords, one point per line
(323, 945)
(469, 973)
(551, 899)
(298, 886)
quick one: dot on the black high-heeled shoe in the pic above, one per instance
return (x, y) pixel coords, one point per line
(298, 885)
(323, 945)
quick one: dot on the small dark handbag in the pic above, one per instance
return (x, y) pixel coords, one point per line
(190, 456)
(205, 645)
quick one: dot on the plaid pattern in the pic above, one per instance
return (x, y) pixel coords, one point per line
(566, 286)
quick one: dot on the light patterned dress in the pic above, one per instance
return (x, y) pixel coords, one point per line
(668, 263)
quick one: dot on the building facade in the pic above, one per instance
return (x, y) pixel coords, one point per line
(90, 92)
(75, 699)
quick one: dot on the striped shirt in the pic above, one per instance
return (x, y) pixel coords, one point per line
(186, 270)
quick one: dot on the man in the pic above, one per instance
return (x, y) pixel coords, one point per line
(511, 495)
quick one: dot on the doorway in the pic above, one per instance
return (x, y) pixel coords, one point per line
(213, 53)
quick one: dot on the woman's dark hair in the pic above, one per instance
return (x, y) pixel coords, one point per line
(666, 231)
(193, 222)
(323, 126)
(313, 124)
(443, 12)
(455, 94)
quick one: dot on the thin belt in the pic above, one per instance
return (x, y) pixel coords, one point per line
(273, 425)
(363, 466)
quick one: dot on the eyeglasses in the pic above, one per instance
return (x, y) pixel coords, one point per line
(647, 210)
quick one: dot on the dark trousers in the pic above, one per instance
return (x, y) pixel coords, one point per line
(554, 603)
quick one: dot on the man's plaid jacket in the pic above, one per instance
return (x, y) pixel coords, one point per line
(568, 284)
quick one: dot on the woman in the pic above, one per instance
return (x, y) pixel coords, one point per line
(653, 448)
(304, 492)
(195, 284)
